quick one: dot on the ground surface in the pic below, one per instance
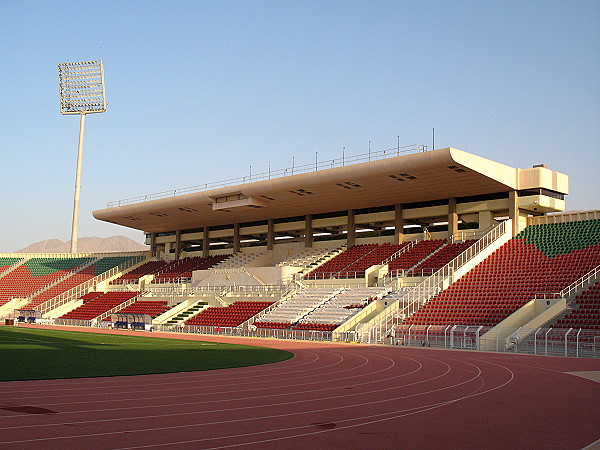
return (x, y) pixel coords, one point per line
(327, 396)
(70, 354)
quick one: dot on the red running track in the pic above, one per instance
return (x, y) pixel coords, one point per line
(328, 396)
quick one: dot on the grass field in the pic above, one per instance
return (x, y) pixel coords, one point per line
(35, 354)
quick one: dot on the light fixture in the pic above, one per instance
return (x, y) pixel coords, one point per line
(81, 88)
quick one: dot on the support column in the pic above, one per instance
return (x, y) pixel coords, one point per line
(153, 243)
(513, 211)
(236, 237)
(398, 225)
(452, 217)
(205, 243)
(486, 220)
(351, 235)
(270, 234)
(308, 231)
(177, 244)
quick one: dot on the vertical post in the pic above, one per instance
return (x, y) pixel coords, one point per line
(270, 234)
(177, 244)
(153, 243)
(546, 341)
(452, 218)
(567, 334)
(513, 211)
(308, 231)
(433, 138)
(351, 235)
(75, 225)
(369, 150)
(205, 243)
(398, 151)
(236, 237)
(398, 224)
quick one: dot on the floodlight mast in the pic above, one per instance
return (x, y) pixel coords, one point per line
(81, 87)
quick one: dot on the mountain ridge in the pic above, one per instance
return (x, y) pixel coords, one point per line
(90, 244)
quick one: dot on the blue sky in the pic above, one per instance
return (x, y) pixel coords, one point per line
(199, 91)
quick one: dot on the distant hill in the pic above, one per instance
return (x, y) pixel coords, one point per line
(86, 245)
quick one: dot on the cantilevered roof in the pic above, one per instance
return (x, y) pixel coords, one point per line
(417, 177)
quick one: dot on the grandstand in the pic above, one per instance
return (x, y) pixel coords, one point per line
(401, 246)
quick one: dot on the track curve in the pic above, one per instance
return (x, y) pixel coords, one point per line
(326, 396)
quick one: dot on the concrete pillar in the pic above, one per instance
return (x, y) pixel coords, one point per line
(398, 225)
(270, 234)
(308, 231)
(513, 211)
(452, 217)
(236, 237)
(153, 243)
(205, 243)
(486, 219)
(351, 235)
(177, 244)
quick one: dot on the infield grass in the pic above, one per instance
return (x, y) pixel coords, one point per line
(36, 354)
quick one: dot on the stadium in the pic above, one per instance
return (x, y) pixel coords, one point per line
(383, 273)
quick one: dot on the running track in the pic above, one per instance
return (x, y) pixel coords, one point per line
(328, 396)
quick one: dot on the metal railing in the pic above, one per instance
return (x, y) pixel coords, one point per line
(305, 335)
(400, 252)
(338, 275)
(84, 287)
(294, 170)
(69, 273)
(547, 341)
(119, 307)
(574, 288)
(413, 299)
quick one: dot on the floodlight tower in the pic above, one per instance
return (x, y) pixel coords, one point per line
(81, 86)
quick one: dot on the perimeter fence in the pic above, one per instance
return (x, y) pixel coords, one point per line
(570, 342)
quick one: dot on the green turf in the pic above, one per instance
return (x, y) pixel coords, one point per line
(35, 354)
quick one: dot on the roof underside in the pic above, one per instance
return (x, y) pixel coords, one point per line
(419, 177)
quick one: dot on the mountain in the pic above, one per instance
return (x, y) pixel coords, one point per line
(86, 245)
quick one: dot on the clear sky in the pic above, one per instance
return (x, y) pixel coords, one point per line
(199, 91)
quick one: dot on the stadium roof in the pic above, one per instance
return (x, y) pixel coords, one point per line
(417, 177)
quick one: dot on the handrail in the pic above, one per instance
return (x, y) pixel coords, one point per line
(119, 307)
(294, 170)
(82, 288)
(573, 287)
(355, 272)
(14, 266)
(64, 278)
(432, 285)
(287, 295)
(403, 250)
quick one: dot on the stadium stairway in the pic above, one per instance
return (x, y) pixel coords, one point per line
(181, 312)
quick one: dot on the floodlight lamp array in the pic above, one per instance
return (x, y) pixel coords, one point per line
(81, 86)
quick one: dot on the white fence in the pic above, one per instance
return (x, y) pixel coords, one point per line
(571, 342)
(305, 335)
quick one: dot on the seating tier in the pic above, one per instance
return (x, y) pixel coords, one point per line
(513, 275)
